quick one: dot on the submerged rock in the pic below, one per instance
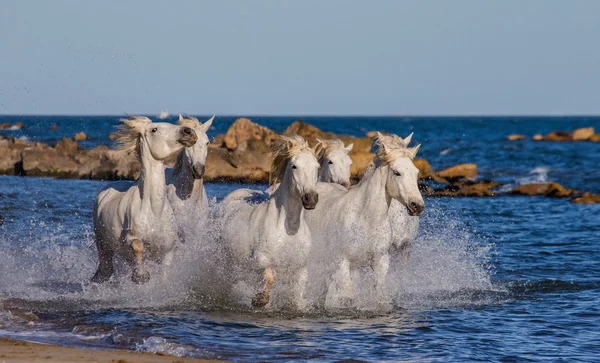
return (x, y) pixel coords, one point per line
(587, 198)
(515, 137)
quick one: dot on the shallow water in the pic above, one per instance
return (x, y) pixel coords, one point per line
(490, 279)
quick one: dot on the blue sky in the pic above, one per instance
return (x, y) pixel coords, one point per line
(381, 57)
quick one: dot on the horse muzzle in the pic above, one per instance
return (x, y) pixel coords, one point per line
(187, 137)
(415, 209)
(310, 200)
(198, 171)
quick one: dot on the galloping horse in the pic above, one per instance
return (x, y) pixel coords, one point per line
(352, 229)
(135, 220)
(185, 186)
(335, 161)
(273, 235)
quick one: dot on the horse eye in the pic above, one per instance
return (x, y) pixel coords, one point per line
(396, 173)
(330, 162)
(293, 166)
(154, 129)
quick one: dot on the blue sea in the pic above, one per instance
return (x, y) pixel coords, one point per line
(506, 279)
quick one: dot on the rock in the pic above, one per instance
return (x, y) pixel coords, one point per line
(113, 136)
(583, 133)
(10, 156)
(594, 138)
(558, 136)
(360, 163)
(244, 133)
(42, 160)
(515, 137)
(67, 146)
(371, 134)
(5, 125)
(309, 132)
(219, 167)
(19, 125)
(538, 137)
(425, 169)
(461, 171)
(53, 127)
(467, 189)
(81, 136)
(550, 189)
(587, 198)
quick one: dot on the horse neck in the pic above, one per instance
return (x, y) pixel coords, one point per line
(152, 181)
(372, 196)
(183, 179)
(324, 175)
(289, 205)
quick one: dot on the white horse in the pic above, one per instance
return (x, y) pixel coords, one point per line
(185, 186)
(335, 162)
(273, 235)
(352, 229)
(135, 220)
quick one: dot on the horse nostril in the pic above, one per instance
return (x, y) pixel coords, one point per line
(414, 206)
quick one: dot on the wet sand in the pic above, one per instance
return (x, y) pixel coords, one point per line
(14, 351)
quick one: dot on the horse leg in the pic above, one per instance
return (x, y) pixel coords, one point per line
(262, 298)
(340, 292)
(105, 262)
(301, 302)
(140, 275)
(381, 267)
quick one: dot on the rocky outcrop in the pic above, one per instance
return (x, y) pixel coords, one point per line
(244, 134)
(550, 189)
(587, 198)
(467, 188)
(457, 172)
(583, 134)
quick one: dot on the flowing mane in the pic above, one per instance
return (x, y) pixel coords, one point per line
(128, 134)
(391, 147)
(189, 121)
(327, 147)
(283, 149)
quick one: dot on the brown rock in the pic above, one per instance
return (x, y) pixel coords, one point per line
(220, 167)
(80, 136)
(550, 189)
(244, 133)
(113, 136)
(583, 133)
(53, 127)
(587, 198)
(10, 157)
(425, 169)
(558, 136)
(360, 163)
(5, 125)
(309, 132)
(371, 134)
(461, 171)
(67, 146)
(594, 138)
(19, 125)
(515, 137)
(42, 160)
(467, 189)
(538, 137)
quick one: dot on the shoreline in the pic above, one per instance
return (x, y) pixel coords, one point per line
(17, 351)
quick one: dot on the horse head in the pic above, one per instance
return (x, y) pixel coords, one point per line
(402, 174)
(335, 161)
(139, 134)
(295, 163)
(195, 156)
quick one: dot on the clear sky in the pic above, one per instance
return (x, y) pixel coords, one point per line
(317, 57)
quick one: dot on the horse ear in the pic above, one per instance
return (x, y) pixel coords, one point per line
(318, 148)
(414, 150)
(408, 138)
(350, 147)
(207, 124)
(180, 117)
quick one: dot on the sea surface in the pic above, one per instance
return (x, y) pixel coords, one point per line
(507, 279)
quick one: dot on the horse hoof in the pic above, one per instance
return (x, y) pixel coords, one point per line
(140, 277)
(261, 299)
